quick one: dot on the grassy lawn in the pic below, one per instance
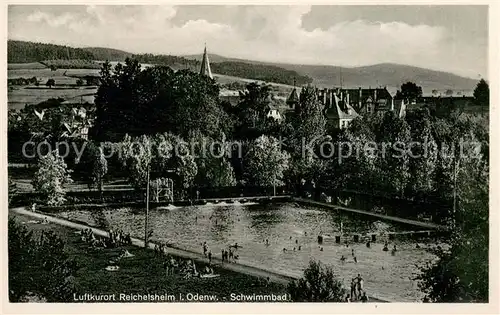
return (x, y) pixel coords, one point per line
(144, 273)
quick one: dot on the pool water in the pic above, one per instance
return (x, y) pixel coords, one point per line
(284, 225)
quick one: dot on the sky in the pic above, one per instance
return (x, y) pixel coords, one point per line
(447, 38)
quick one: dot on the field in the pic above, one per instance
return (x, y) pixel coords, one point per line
(65, 79)
(19, 66)
(19, 96)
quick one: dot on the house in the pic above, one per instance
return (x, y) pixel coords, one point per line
(338, 110)
(274, 114)
(364, 101)
(367, 101)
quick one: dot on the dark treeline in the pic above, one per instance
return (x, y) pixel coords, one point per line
(23, 52)
(266, 73)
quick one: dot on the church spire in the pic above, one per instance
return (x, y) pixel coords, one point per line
(205, 65)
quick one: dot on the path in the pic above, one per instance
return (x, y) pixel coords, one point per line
(240, 268)
(427, 225)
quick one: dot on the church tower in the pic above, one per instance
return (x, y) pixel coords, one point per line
(205, 65)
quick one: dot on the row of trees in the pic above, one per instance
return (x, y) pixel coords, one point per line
(266, 73)
(411, 91)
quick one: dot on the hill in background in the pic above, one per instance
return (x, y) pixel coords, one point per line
(385, 74)
(27, 52)
(111, 54)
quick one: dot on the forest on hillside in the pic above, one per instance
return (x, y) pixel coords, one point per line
(24, 52)
(58, 56)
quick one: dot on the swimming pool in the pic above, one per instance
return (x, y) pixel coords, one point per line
(285, 225)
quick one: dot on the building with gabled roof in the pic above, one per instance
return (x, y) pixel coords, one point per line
(293, 99)
(339, 111)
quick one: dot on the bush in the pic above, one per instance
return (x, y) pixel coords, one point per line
(51, 177)
(12, 189)
(50, 83)
(38, 267)
(319, 284)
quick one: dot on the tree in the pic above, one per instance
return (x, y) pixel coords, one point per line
(310, 122)
(423, 159)
(449, 92)
(51, 177)
(319, 284)
(214, 169)
(156, 100)
(99, 169)
(482, 93)
(266, 162)
(392, 163)
(409, 91)
(187, 170)
(254, 104)
(161, 155)
(50, 83)
(136, 157)
(38, 266)
(460, 273)
(308, 128)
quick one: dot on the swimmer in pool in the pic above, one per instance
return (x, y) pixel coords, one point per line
(342, 259)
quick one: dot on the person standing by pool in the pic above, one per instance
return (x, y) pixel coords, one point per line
(205, 249)
(353, 288)
(359, 284)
